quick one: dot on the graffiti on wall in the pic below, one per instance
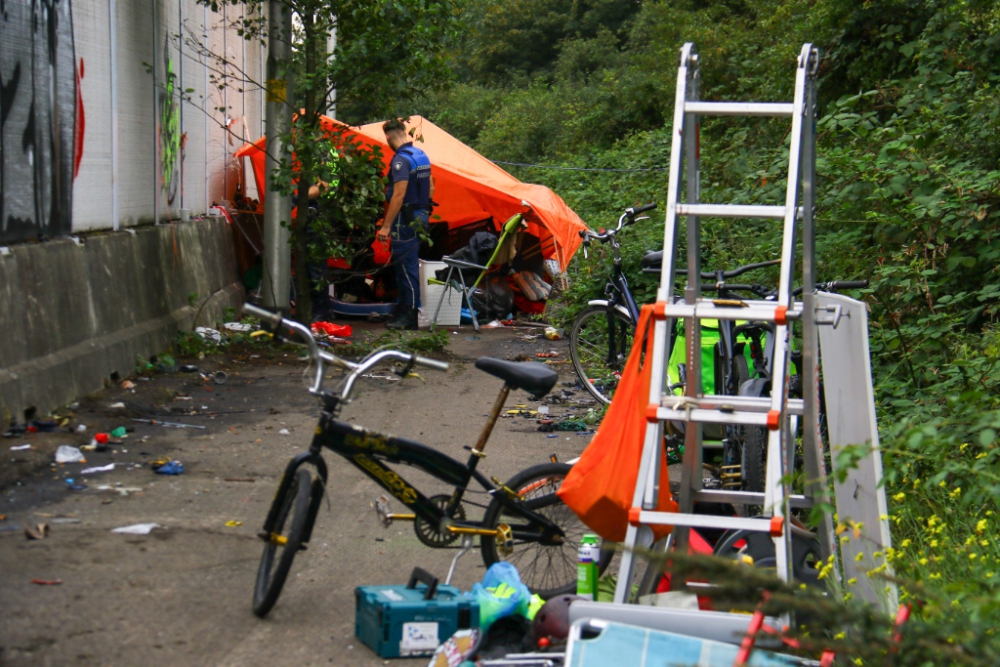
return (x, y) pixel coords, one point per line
(38, 100)
(171, 145)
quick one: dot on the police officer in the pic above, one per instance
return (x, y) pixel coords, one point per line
(409, 195)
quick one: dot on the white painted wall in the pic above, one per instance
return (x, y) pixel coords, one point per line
(207, 171)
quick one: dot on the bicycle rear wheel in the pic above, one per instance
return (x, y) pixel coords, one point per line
(546, 569)
(283, 544)
(599, 344)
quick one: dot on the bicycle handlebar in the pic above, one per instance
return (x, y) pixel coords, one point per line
(277, 324)
(627, 217)
(636, 210)
(738, 271)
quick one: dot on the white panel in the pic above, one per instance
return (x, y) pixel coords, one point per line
(850, 411)
(136, 113)
(92, 185)
(217, 145)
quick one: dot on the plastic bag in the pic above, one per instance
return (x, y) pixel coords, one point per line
(500, 594)
(600, 486)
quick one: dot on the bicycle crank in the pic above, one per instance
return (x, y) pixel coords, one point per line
(385, 517)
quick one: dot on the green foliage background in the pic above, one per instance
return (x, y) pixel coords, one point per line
(908, 198)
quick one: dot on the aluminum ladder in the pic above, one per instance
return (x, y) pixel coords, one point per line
(776, 412)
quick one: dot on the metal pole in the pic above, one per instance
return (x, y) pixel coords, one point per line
(277, 207)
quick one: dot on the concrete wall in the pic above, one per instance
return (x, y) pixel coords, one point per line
(73, 315)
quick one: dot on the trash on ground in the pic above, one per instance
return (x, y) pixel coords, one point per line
(119, 432)
(63, 520)
(554, 334)
(162, 423)
(47, 582)
(121, 490)
(543, 409)
(76, 487)
(68, 454)
(239, 479)
(101, 438)
(565, 425)
(161, 467)
(42, 426)
(107, 468)
(546, 355)
(234, 524)
(128, 384)
(81, 428)
(117, 406)
(137, 529)
(18, 448)
(188, 368)
(39, 532)
(331, 329)
(238, 326)
(284, 431)
(220, 377)
(209, 334)
(495, 324)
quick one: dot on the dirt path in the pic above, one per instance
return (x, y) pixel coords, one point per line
(181, 596)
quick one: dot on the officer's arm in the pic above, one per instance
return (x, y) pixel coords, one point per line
(431, 195)
(395, 206)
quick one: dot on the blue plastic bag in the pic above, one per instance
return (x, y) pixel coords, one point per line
(500, 594)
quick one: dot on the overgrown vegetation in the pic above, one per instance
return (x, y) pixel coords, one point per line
(909, 162)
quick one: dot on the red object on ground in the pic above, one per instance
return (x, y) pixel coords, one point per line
(530, 307)
(331, 329)
(102, 438)
(382, 252)
(47, 582)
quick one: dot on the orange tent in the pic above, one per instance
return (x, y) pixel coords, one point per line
(468, 187)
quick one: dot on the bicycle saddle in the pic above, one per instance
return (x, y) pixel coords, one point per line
(652, 259)
(535, 378)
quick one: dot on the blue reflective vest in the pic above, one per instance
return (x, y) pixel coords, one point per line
(418, 186)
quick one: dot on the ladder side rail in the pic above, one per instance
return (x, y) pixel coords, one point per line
(645, 480)
(776, 490)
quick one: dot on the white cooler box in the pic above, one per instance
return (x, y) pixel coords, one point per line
(451, 309)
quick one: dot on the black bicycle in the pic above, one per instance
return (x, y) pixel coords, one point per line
(525, 523)
(601, 336)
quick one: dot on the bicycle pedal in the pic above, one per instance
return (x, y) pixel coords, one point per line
(382, 511)
(505, 539)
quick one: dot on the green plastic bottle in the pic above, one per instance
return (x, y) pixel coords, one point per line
(586, 577)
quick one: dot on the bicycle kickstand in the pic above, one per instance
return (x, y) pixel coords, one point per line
(466, 546)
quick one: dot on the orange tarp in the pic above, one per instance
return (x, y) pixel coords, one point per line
(468, 187)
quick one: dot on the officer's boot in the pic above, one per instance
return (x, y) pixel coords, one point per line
(407, 319)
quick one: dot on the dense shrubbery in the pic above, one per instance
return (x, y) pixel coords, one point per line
(909, 154)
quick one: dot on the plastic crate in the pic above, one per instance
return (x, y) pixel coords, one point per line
(451, 307)
(400, 622)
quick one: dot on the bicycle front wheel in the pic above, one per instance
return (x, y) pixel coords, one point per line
(546, 569)
(284, 542)
(599, 344)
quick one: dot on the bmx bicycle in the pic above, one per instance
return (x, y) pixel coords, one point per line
(525, 523)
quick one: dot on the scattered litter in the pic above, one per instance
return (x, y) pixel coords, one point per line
(209, 334)
(47, 582)
(234, 524)
(62, 520)
(565, 425)
(68, 454)
(331, 329)
(552, 435)
(121, 490)
(219, 377)
(77, 487)
(75, 405)
(119, 433)
(188, 368)
(238, 326)
(39, 532)
(107, 468)
(81, 428)
(137, 529)
(18, 448)
(554, 334)
(183, 398)
(128, 384)
(284, 431)
(101, 438)
(117, 406)
(174, 424)
(546, 355)
(168, 468)
(42, 426)
(543, 409)
(495, 324)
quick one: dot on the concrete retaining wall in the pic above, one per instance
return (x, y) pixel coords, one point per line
(75, 315)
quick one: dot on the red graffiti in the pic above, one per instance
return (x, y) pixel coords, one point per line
(80, 123)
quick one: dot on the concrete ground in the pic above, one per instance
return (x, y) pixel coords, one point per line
(181, 595)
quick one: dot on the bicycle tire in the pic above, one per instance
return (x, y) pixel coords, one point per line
(273, 571)
(599, 362)
(537, 488)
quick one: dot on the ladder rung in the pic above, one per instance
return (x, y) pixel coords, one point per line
(703, 416)
(754, 311)
(734, 211)
(650, 518)
(724, 403)
(746, 498)
(740, 108)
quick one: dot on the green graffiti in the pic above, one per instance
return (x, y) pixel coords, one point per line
(170, 132)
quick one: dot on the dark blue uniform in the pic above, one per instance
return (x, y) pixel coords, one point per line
(409, 168)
